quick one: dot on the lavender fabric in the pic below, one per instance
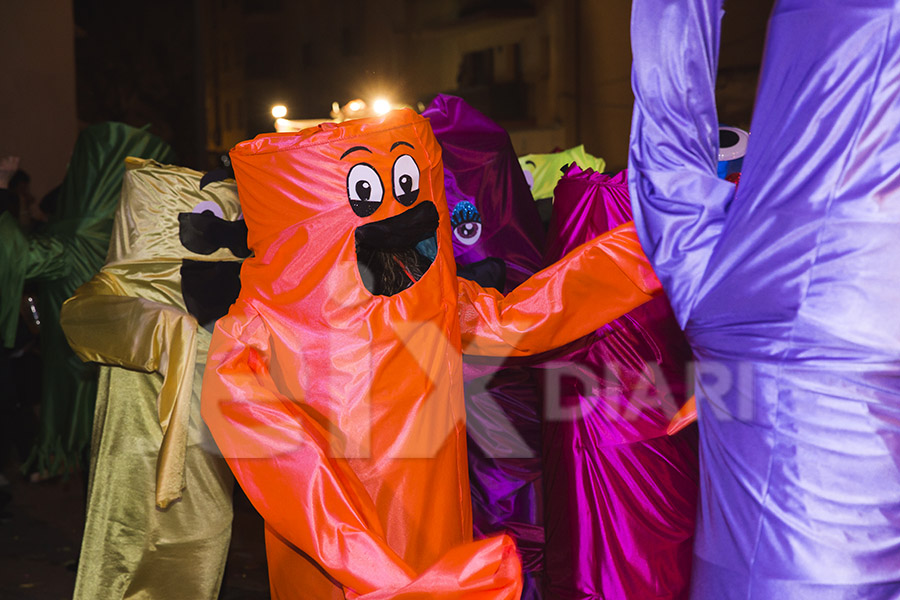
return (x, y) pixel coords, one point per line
(620, 493)
(493, 215)
(787, 290)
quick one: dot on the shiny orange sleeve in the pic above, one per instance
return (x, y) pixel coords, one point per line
(594, 284)
(280, 455)
(685, 416)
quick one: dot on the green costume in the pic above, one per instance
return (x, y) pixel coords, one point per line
(543, 171)
(71, 249)
(159, 499)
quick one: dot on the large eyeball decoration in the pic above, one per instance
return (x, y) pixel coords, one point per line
(364, 189)
(732, 148)
(209, 206)
(406, 180)
(466, 223)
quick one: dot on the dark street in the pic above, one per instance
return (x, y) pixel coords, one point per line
(40, 537)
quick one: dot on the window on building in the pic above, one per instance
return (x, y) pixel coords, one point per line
(491, 81)
(476, 69)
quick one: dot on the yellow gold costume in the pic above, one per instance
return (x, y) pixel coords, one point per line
(159, 500)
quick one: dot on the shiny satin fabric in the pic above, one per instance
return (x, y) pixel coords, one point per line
(543, 171)
(595, 283)
(786, 290)
(481, 167)
(69, 251)
(341, 411)
(159, 501)
(131, 548)
(620, 493)
(12, 276)
(502, 399)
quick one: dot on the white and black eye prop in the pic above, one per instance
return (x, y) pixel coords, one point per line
(211, 206)
(406, 180)
(732, 148)
(205, 230)
(732, 143)
(466, 223)
(364, 189)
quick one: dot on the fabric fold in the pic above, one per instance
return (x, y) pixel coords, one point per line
(785, 289)
(595, 283)
(69, 251)
(139, 334)
(158, 521)
(674, 143)
(339, 408)
(620, 493)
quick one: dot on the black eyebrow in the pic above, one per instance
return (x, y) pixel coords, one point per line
(401, 144)
(354, 149)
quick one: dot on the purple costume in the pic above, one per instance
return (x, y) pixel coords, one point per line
(788, 290)
(620, 493)
(481, 168)
(493, 215)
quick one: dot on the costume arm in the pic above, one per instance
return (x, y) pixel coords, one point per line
(679, 202)
(22, 258)
(594, 284)
(283, 460)
(48, 258)
(105, 327)
(686, 415)
(13, 246)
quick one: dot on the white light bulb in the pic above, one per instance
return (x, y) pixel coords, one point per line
(381, 106)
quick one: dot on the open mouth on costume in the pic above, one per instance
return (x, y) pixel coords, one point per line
(394, 253)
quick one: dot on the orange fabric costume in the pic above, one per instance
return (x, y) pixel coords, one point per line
(337, 400)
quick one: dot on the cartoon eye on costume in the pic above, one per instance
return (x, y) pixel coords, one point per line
(205, 230)
(209, 205)
(466, 223)
(406, 180)
(732, 148)
(732, 143)
(364, 189)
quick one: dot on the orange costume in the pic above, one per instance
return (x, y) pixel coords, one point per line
(334, 384)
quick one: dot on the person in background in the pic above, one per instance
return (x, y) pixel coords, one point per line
(69, 250)
(20, 363)
(8, 167)
(29, 209)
